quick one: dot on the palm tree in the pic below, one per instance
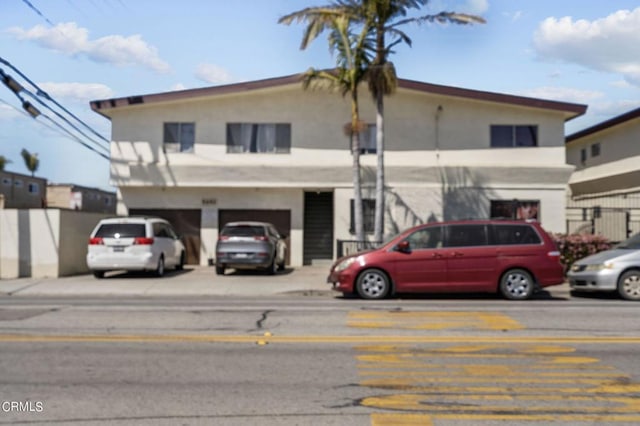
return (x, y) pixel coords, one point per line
(384, 17)
(3, 162)
(381, 18)
(352, 60)
(30, 160)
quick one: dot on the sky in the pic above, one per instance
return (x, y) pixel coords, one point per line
(580, 51)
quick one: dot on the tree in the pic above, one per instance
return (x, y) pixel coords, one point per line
(380, 19)
(30, 160)
(351, 50)
(3, 162)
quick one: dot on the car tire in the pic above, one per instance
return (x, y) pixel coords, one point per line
(273, 266)
(373, 284)
(180, 265)
(98, 274)
(517, 284)
(160, 268)
(220, 269)
(629, 285)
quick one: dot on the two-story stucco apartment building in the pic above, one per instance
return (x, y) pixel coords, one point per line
(605, 187)
(268, 150)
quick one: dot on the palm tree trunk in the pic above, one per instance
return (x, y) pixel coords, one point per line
(380, 202)
(355, 151)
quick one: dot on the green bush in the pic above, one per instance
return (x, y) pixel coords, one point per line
(573, 247)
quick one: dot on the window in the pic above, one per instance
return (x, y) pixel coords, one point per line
(503, 136)
(583, 155)
(466, 235)
(368, 143)
(179, 137)
(595, 150)
(6, 181)
(33, 188)
(515, 209)
(258, 138)
(368, 216)
(515, 234)
(17, 183)
(426, 238)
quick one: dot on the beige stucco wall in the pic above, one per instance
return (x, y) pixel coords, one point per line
(44, 242)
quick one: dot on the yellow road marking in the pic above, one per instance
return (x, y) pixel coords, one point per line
(433, 320)
(380, 419)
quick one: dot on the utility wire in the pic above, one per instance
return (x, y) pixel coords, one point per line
(45, 95)
(35, 9)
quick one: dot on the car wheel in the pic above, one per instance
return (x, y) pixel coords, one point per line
(373, 284)
(273, 267)
(517, 284)
(220, 270)
(98, 274)
(160, 267)
(180, 265)
(629, 285)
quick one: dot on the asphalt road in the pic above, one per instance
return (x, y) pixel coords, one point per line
(321, 360)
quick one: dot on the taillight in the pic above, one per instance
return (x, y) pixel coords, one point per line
(96, 241)
(142, 241)
(260, 238)
(223, 238)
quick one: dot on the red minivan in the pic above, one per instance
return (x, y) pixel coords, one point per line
(512, 257)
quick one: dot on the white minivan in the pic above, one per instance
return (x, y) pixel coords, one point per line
(134, 244)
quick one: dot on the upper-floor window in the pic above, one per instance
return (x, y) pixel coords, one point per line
(179, 137)
(33, 188)
(259, 137)
(368, 140)
(505, 136)
(515, 209)
(17, 183)
(595, 150)
(6, 181)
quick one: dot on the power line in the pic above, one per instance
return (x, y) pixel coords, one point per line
(45, 95)
(35, 9)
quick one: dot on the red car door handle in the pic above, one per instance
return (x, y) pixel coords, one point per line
(456, 254)
(436, 255)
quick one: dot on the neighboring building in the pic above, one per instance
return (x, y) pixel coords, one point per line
(268, 150)
(82, 198)
(605, 187)
(22, 191)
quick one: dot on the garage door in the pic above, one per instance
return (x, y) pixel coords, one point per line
(187, 225)
(281, 219)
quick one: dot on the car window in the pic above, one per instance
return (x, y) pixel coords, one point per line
(171, 233)
(243, 231)
(632, 243)
(426, 238)
(466, 235)
(160, 230)
(121, 230)
(515, 234)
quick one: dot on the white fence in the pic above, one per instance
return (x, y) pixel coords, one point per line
(42, 243)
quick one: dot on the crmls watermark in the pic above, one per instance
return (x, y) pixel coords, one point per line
(22, 406)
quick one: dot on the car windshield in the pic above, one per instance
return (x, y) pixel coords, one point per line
(243, 231)
(121, 230)
(632, 243)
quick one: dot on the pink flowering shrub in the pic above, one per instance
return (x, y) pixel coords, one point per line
(573, 247)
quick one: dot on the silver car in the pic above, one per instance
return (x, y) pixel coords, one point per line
(134, 244)
(617, 269)
(250, 245)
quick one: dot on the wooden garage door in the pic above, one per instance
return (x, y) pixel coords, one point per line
(186, 223)
(281, 219)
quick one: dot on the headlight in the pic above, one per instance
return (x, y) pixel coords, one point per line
(599, 267)
(344, 264)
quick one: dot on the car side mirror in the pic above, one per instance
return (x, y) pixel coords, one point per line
(403, 246)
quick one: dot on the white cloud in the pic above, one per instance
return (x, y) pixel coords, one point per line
(72, 40)
(79, 92)
(476, 7)
(213, 74)
(563, 94)
(610, 44)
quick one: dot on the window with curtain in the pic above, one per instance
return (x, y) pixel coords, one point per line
(179, 137)
(259, 138)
